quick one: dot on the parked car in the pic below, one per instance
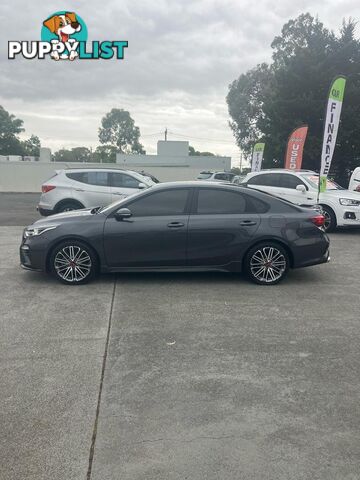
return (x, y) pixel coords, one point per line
(341, 207)
(354, 183)
(179, 226)
(238, 179)
(74, 189)
(211, 176)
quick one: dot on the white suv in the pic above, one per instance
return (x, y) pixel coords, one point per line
(341, 207)
(82, 188)
(216, 176)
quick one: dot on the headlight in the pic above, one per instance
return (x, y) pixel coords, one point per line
(36, 231)
(348, 202)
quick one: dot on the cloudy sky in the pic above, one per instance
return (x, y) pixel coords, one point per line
(181, 58)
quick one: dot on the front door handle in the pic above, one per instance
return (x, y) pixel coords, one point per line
(175, 225)
(247, 223)
(79, 190)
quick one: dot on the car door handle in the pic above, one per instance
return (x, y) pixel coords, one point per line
(175, 225)
(247, 223)
(118, 193)
(79, 190)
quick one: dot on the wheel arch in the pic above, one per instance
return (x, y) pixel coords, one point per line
(67, 239)
(68, 200)
(270, 240)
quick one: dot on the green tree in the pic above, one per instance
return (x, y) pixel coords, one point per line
(105, 154)
(10, 127)
(195, 153)
(31, 146)
(76, 154)
(118, 129)
(267, 102)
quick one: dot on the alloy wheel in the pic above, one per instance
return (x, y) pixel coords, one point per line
(327, 222)
(72, 263)
(268, 264)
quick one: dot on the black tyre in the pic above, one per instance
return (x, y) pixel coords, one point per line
(68, 206)
(73, 262)
(267, 263)
(330, 219)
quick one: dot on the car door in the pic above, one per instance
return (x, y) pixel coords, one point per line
(221, 226)
(156, 233)
(91, 188)
(287, 190)
(123, 185)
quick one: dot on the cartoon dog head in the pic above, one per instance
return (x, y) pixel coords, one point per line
(63, 25)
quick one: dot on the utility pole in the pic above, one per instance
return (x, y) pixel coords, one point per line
(166, 134)
(241, 158)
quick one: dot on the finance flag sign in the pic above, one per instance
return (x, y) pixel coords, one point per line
(333, 112)
(257, 157)
(295, 148)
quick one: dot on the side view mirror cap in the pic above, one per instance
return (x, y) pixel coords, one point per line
(301, 188)
(122, 213)
(141, 186)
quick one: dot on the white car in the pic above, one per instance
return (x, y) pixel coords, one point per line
(216, 176)
(341, 207)
(354, 183)
(77, 188)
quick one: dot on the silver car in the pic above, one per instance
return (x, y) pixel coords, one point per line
(77, 188)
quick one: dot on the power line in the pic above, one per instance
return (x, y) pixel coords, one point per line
(202, 138)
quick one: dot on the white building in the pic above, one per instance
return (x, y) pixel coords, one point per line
(173, 162)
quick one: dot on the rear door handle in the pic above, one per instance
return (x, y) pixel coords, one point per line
(79, 190)
(247, 223)
(175, 225)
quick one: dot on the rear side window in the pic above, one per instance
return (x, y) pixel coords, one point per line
(214, 201)
(168, 202)
(91, 178)
(266, 179)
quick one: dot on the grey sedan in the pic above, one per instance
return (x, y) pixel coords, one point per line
(177, 227)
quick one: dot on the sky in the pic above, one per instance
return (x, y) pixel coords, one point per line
(181, 58)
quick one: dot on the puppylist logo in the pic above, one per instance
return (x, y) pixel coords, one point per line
(63, 37)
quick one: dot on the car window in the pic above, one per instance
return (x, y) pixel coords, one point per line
(287, 180)
(123, 180)
(204, 175)
(91, 178)
(214, 201)
(168, 202)
(221, 176)
(265, 179)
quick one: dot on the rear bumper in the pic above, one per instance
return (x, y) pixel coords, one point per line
(45, 212)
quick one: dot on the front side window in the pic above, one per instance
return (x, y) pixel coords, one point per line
(290, 181)
(204, 175)
(221, 176)
(123, 180)
(168, 202)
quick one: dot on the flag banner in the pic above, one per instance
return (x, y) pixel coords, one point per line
(257, 158)
(295, 148)
(333, 112)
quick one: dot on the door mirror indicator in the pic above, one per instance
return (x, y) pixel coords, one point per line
(141, 186)
(122, 213)
(301, 188)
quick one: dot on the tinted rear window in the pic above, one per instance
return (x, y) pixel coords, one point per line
(217, 201)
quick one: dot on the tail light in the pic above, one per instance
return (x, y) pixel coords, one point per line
(318, 220)
(47, 188)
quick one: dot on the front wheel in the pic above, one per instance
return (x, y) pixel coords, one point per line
(330, 219)
(73, 263)
(267, 263)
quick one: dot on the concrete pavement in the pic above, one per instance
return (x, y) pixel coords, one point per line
(205, 375)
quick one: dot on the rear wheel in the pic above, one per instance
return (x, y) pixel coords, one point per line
(330, 219)
(267, 263)
(73, 262)
(67, 206)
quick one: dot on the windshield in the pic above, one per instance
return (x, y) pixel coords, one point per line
(314, 182)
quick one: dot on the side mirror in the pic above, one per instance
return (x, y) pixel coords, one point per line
(301, 188)
(122, 213)
(141, 186)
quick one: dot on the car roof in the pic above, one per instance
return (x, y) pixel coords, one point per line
(282, 170)
(197, 184)
(71, 170)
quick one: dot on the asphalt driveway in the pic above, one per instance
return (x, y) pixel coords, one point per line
(181, 376)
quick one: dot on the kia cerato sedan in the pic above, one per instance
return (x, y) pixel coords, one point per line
(179, 226)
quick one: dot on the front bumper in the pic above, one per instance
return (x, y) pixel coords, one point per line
(31, 259)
